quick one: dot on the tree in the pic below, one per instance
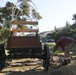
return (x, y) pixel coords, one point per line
(4, 33)
(55, 28)
(74, 18)
(68, 26)
(36, 14)
(6, 15)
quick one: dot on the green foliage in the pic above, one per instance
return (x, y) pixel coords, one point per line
(29, 12)
(69, 30)
(22, 26)
(4, 33)
(68, 26)
(25, 8)
(36, 15)
(59, 34)
(74, 17)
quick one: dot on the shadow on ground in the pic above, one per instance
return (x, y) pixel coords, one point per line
(23, 67)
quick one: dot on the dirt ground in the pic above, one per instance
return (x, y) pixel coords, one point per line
(34, 67)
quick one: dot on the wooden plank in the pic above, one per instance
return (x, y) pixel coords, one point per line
(25, 22)
(24, 30)
(21, 42)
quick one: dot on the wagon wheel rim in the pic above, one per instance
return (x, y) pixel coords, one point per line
(2, 53)
(47, 57)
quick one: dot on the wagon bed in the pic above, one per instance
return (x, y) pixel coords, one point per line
(23, 42)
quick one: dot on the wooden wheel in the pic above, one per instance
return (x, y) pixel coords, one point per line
(2, 60)
(47, 57)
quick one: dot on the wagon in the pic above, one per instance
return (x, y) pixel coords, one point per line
(20, 45)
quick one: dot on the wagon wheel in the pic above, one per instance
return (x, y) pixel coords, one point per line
(2, 53)
(40, 45)
(47, 57)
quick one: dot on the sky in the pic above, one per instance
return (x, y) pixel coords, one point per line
(54, 12)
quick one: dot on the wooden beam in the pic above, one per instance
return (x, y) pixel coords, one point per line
(24, 30)
(25, 22)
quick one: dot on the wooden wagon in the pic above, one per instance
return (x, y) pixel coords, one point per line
(27, 46)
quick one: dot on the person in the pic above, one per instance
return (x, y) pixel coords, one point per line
(65, 43)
